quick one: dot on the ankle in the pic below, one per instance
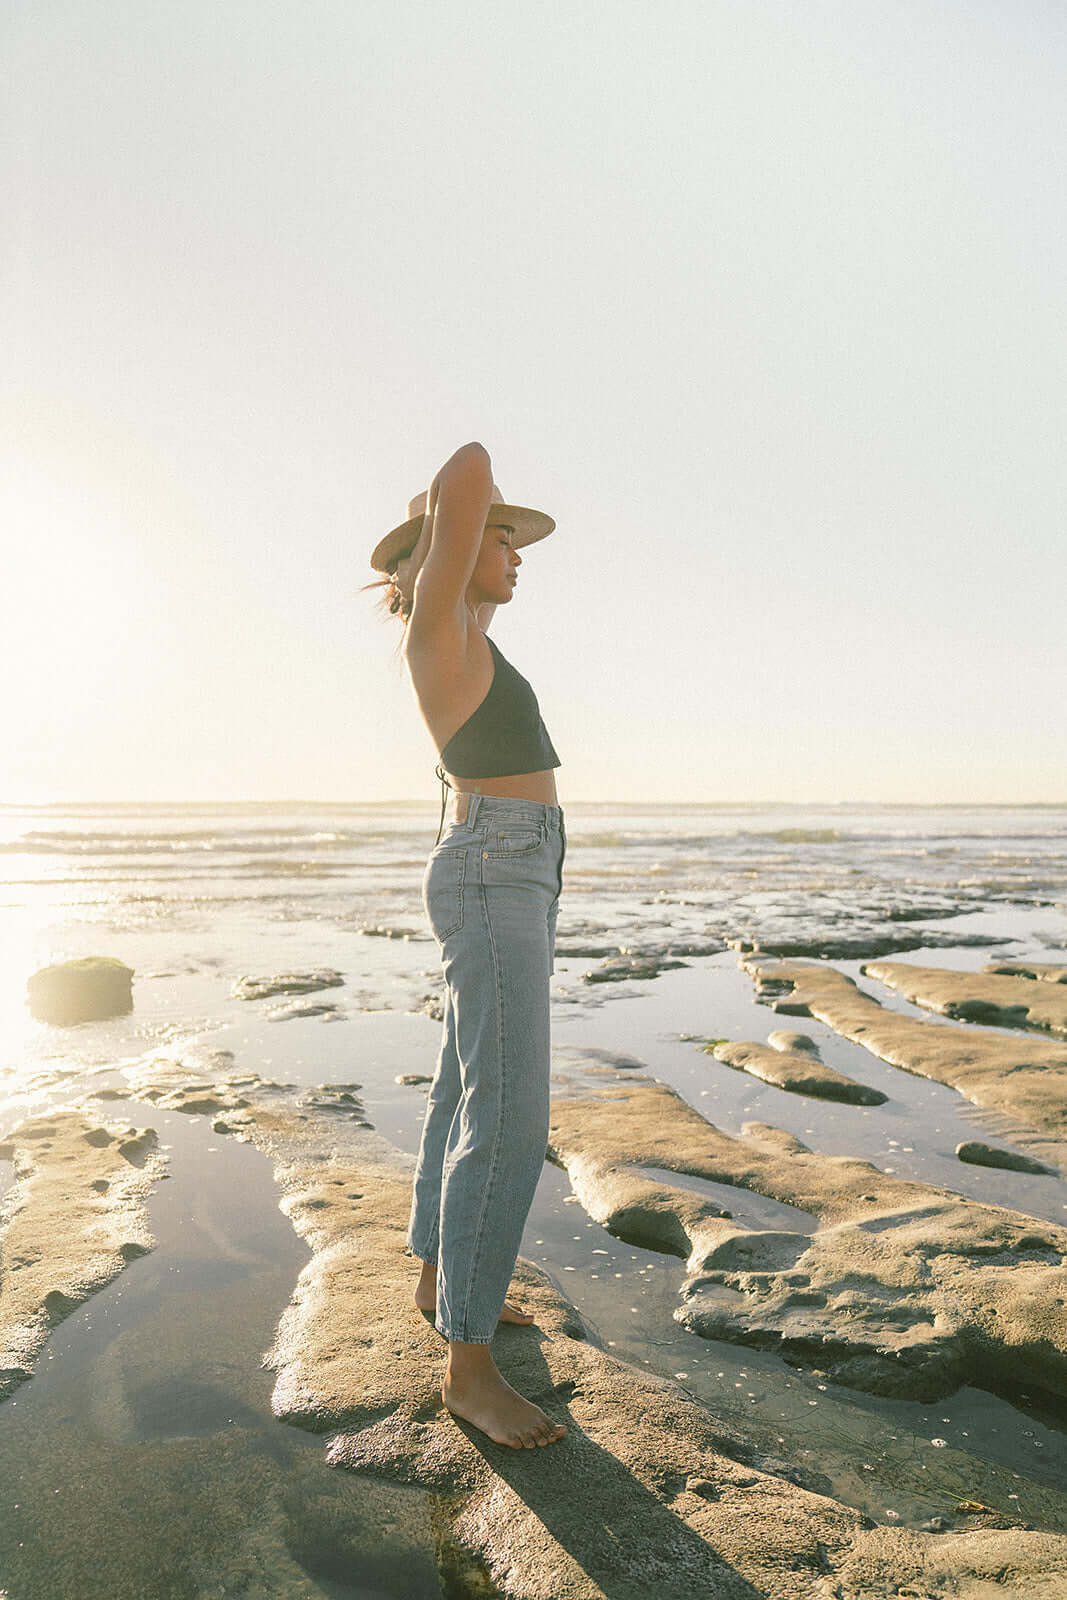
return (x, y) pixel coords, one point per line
(468, 1361)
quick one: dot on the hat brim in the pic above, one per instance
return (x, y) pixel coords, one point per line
(528, 526)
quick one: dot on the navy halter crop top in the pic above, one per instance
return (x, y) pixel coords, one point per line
(506, 734)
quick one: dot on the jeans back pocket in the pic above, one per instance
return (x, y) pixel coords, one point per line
(443, 892)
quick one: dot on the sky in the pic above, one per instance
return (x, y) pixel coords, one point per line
(763, 302)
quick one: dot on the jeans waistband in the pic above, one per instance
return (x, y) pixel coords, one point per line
(503, 808)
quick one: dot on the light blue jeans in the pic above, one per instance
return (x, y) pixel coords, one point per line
(491, 893)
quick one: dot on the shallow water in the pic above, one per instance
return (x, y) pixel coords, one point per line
(145, 1448)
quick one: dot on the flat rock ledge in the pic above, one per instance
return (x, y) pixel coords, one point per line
(247, 988)
(799, 1071)
(1046, 971)
(647, 1494)
(979, 1154)
(904, 1289)
(617, 968)
(73, 1219)
(1024, 1077)
(1008, 1000)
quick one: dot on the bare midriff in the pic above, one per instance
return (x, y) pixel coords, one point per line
(540, 786)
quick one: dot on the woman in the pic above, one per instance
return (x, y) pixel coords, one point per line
(491, 893)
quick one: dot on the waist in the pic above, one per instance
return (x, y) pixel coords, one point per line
(539, 786)
(467, 806)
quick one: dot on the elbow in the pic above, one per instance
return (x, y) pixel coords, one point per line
(470, 463)
(472, 452)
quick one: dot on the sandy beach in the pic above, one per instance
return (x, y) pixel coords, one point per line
(798, 1257)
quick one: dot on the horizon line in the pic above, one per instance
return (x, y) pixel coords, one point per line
(43, 805)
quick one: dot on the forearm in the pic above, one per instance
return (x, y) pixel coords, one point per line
(422, 548)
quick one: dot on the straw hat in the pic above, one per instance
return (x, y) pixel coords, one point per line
(528, 526)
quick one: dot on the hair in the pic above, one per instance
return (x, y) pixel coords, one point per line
(394, 602)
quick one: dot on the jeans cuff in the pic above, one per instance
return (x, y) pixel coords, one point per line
(463, 1338)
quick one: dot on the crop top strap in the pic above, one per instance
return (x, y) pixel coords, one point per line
(440, 771)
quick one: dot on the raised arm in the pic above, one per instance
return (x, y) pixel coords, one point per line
(445, 556)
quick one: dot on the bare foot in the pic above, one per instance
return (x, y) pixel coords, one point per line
(426, 1299)
(485, 1399)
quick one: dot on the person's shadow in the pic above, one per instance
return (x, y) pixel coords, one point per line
(614, 1528)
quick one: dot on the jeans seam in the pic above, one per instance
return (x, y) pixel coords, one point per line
(434, 1234)
(479, 1228)
(448, 932)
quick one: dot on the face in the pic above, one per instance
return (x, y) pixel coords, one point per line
(496, 570)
